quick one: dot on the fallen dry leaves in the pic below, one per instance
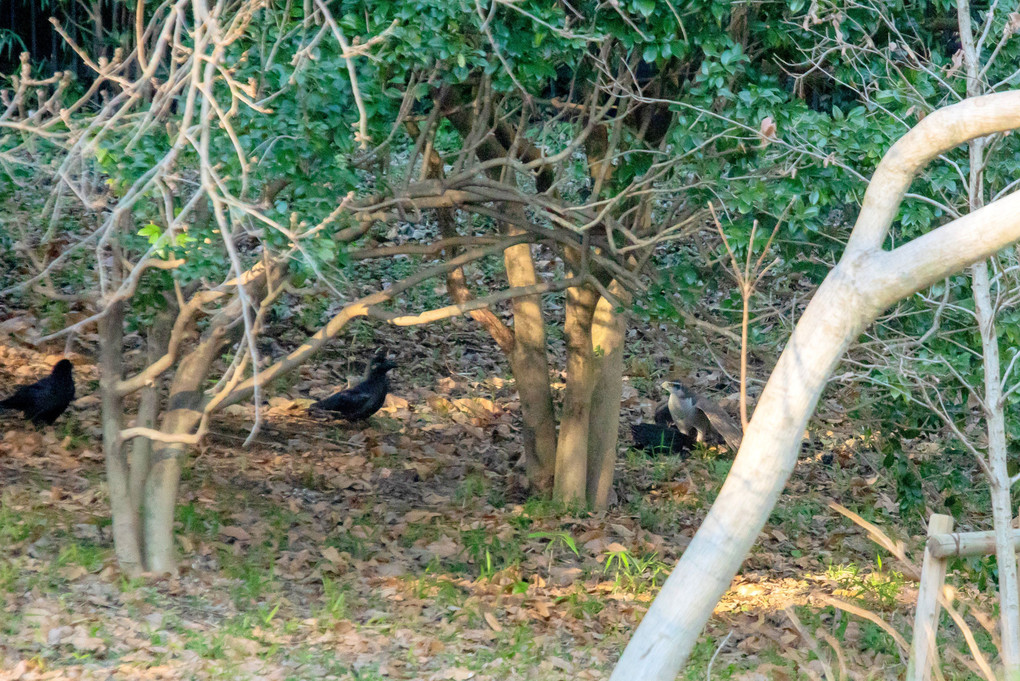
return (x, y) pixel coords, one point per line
(404, 548)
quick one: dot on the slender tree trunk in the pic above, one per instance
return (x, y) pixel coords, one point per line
(1002, 506)
(456, 283)
(607, 337)
(97, 32)
(148, 408)
(161, 498)
(184, 412)
(126, 530)
(530, 366)
(529, 361)
(999, 485)
(771, 443)
(572, 447)
(33, 41)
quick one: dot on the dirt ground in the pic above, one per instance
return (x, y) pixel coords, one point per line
(410, 549)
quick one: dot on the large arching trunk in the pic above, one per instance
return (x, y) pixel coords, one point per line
(866, 281)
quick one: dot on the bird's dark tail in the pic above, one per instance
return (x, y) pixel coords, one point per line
(10, 403)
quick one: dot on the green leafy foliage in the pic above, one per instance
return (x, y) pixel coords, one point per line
(759, 125)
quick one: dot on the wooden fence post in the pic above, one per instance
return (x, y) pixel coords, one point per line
(923, 650)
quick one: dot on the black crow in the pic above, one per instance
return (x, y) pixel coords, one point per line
(364, 399)
(46, 399)
(701, 417)
(656, 439)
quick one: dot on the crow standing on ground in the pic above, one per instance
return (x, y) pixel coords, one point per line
(364, 399)
(658, 439)
(46, 399)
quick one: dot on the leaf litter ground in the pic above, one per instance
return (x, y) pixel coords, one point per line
(407, 547)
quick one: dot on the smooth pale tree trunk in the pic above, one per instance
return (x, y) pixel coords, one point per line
(126, 529)
(866, 281)
(1002, 507)
(529, 363)
(995, 421)
(607, 337)
(572, 447)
